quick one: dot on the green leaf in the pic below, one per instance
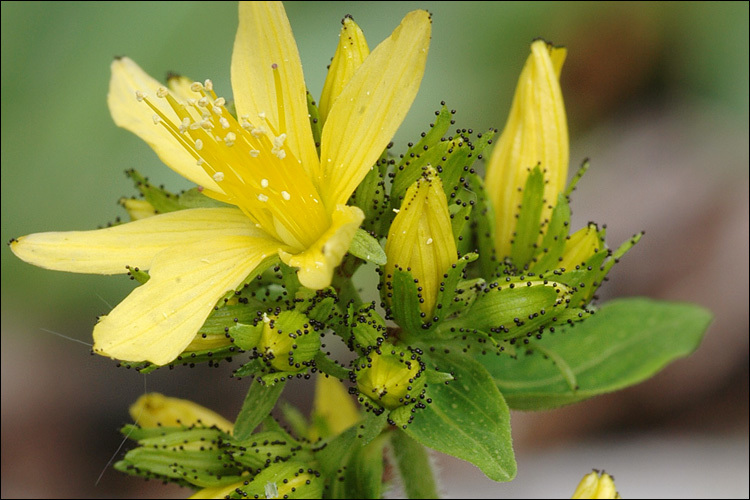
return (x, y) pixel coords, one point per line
(259, 402)
(626, 342)
(367, 248)
(414, 466)
(467, 418)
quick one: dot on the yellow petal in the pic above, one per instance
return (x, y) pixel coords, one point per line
(350, 54)
(371, 107)
(333, 408)
(536, 133)
(159, 319)
(135, 244)
(137, 117)
(264, 38)
(154, 409)
(316, 264)
(421, 237)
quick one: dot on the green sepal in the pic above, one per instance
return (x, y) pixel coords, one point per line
(413, 465)
(256, 451)
(455, 170)
(626, 342)
(409, 168)
(317, 305)
(326, 365)
(246, 337)
(164, 201)
(528, 222)
(466, 418)
(576, 177)
(136, 274)
(460, 213)
(258, 403)
(404, 301)
(189, 456)
(446, 303)
(367, 327)
(553, 243)
(483, 223)
(315, 123)
(371, 198)
(367, 248)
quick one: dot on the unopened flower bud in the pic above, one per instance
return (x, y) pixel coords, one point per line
(536, 133)
(596, 484)
(288, 341)
(420, 239)
(154, 409)
(391, 377)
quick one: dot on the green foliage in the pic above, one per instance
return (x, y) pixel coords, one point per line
(624, 343)
(467, 417)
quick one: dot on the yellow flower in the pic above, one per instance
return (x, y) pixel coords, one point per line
(286, 199)
(596, 485)
(536, 133)
(420, 239)
(154, 409)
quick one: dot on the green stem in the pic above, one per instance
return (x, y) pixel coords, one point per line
(342, 281)
(414, 466)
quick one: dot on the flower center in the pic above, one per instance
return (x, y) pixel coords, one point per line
(249, 160)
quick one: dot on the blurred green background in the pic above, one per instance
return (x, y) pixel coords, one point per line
(656, 94)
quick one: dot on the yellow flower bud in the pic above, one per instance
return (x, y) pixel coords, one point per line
(420, 239)
(288, 341)
(350, 54)
(536, 133)
(390, 377)
(154, 409)
(596, 485)
(137, 209)
(580, 247)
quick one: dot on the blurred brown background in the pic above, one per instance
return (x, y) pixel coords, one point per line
(657, 97)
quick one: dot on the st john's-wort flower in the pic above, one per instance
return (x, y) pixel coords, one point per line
(283, 198)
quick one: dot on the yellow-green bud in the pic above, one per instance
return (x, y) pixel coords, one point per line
(536, 133)
(154, 409)
(279, 480)
(596, 484)
(350, 54)
(420, 239)
(391, 377)
(581, 245)
(137, 209)
(288, 341)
